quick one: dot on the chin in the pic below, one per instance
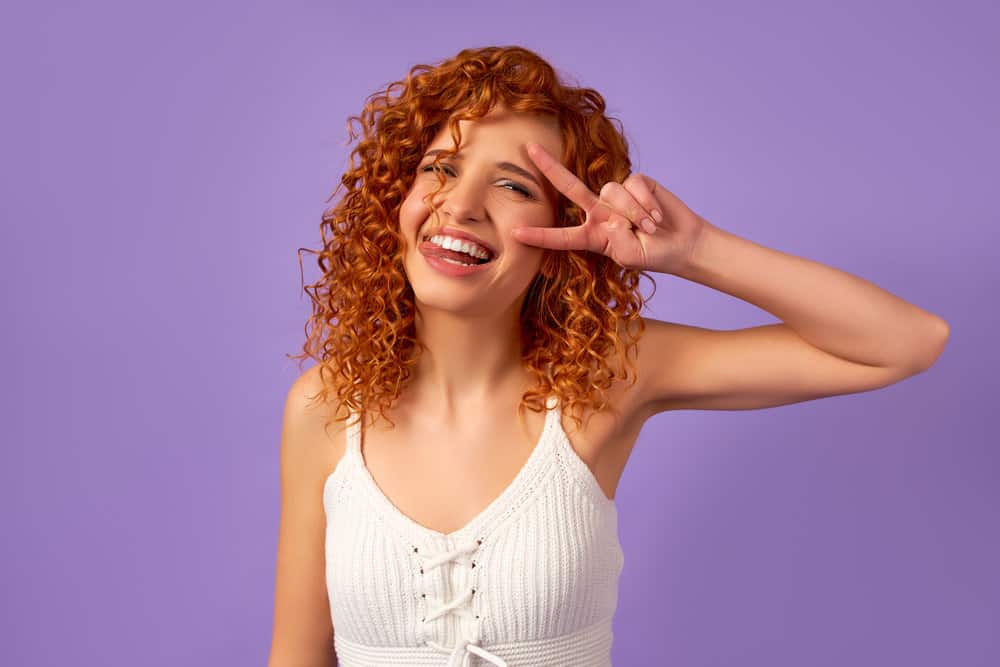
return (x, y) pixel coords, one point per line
(445, 298)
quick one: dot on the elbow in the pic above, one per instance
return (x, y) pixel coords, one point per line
(932, 349)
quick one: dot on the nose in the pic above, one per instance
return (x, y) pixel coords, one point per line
(462, 201)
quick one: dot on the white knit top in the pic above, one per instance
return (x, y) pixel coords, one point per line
(530, 580)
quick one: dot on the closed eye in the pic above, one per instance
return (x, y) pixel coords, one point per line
(432, 167)
(520, 189)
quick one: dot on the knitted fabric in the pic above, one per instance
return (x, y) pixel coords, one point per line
(530, 580)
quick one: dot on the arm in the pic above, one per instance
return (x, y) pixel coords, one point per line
(303, 631)
(840, 334)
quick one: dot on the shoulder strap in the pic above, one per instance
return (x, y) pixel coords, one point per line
(354, 435)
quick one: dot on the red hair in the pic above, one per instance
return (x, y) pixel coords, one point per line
(578, 309)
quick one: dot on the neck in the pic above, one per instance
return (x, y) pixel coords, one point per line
(468, 361)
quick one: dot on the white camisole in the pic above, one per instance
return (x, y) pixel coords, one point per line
(530, 580)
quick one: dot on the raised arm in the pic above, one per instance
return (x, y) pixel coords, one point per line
(839, 333)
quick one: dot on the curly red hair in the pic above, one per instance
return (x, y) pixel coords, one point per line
(576, 317)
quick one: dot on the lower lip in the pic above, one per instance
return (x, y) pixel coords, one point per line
(449, 269)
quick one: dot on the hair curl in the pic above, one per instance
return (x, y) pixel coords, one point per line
(579, 307)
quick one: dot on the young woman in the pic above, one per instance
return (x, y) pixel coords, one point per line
(482, 266)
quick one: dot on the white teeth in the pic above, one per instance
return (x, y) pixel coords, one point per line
(452, 261)
(451, 243)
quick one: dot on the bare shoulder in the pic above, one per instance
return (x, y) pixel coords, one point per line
(628, 398)
(308, 433)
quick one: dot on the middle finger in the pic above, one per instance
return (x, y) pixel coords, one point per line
(562, 178)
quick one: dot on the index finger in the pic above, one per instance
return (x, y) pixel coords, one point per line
(562, 178)
(559, 238)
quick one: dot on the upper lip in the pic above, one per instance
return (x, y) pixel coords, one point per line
(459, 234)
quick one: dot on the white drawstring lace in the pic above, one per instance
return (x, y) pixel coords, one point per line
(458, 655)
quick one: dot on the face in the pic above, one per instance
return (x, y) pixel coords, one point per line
(491, 188)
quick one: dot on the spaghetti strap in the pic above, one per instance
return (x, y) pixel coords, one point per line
(354, 435)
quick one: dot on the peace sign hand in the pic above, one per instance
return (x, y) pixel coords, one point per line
(665, 233)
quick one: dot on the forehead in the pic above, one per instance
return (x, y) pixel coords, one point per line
(503, 129)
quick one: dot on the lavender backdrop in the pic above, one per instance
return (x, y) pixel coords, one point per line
(163, 161)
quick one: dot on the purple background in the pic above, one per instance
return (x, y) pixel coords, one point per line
(162, 163)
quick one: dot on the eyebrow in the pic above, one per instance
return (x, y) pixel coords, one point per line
(505, 166)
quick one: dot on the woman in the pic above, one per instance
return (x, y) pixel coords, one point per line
(485, 263)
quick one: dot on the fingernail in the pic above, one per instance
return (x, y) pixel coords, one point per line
(657, 215)
(647, 225)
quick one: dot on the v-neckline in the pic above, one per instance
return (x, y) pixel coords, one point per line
(522, 477)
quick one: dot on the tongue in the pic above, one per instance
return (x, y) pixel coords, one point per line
(438, 251)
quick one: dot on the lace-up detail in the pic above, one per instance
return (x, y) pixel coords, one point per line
(458, 655)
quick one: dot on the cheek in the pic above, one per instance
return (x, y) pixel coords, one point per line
(411, 212)
(521, 260)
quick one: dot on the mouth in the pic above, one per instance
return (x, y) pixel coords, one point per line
(457, 250)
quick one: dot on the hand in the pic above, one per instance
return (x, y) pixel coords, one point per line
(639, 223)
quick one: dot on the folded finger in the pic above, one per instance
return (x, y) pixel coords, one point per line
(620, 236)
(640, 189)
(625, 202)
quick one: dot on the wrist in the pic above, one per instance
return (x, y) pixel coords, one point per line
(700, 250)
